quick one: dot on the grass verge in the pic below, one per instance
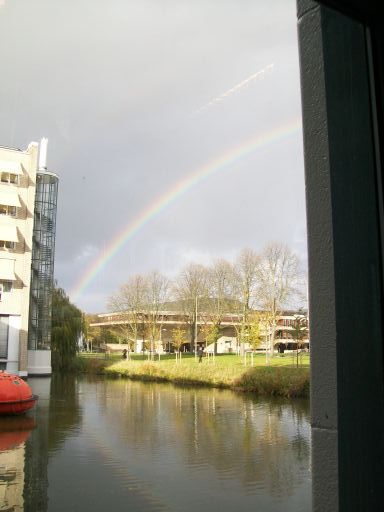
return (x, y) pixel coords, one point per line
(282, 378)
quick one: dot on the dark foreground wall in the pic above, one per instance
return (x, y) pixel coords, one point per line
(341, 73)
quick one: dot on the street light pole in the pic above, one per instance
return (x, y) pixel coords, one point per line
(196, 326)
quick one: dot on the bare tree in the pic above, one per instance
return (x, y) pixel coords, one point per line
(190, 290)
(92, 333)
(277, 284)
(244, 275)
(219, 278)
(130, 301)
(156, 294)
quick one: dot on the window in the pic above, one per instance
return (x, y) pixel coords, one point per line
(7, 210)
(9, 177)
(6, 286)
(5, 244)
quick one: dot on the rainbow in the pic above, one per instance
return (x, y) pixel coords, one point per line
(192, 179)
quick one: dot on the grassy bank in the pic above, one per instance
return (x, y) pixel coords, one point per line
(281, 378)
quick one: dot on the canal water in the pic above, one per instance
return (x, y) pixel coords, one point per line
(114, 445)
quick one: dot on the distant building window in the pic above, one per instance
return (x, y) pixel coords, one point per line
(9, 177)
(6, 286)
(7, 210)
(5, 244)
(287, 322)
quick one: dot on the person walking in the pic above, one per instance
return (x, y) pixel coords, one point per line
(200, 353)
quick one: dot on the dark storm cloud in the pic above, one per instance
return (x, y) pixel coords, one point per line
(115, 86)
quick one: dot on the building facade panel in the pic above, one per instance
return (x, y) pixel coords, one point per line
(17, 179)
(28, 195)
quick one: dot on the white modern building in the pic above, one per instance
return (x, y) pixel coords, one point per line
(28, 195)
(228, 342)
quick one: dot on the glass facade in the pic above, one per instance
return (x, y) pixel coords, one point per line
(43, 254)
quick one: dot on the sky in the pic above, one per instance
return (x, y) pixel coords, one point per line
(138, 97)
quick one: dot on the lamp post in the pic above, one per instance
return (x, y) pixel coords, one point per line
(196, 327)
(246, 335)
(161, 339)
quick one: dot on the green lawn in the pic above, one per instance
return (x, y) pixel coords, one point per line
(221, 360)
(281, 377)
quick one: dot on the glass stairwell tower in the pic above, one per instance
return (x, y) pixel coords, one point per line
(42, 275)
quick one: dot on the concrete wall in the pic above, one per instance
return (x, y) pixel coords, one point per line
(345, 235)
(14, 327)
(39, 362)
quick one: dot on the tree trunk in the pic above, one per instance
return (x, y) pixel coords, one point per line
(192, 335)
(272, 338)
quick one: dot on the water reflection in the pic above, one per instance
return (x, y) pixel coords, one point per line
(58, 415)
(213, 438)
(24, 465)
(120, 444)
(14, 431)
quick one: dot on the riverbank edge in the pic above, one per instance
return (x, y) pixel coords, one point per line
(271, 380)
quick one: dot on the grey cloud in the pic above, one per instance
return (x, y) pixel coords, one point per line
(114, 86)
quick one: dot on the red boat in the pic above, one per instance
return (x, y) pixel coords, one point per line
(15, 395)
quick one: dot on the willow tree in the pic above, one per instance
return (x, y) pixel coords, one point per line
(67, 327)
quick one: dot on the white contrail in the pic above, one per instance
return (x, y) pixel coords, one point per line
(236, 88)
